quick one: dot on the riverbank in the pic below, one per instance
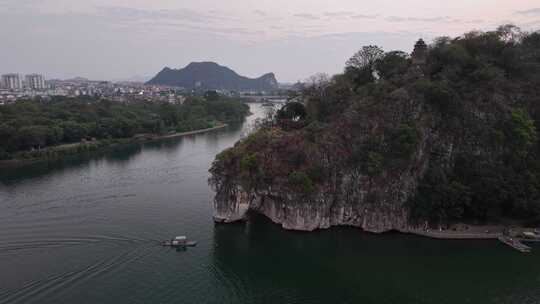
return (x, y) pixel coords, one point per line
(180, 134)
(472, 232)
(56, 152)
(465, 232)
(456, 231)
(514, 237)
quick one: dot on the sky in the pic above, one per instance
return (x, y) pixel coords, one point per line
(129, 39)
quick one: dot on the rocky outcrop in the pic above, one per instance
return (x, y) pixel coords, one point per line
(351, 199)
(323, 211)
(231, 204)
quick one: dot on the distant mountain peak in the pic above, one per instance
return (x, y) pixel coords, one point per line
(211, 75)
(197, 63)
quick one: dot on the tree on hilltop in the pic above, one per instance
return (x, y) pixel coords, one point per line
(366, 57)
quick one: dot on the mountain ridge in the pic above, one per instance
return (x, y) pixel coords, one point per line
(211, 75)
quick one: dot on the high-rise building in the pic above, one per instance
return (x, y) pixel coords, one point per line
(35, 82)
(12, 81)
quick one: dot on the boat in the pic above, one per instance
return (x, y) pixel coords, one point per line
(514, 243)
(179, 241)
(529, 236)
(267, 103)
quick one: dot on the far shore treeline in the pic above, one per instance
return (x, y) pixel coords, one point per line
(30, 126)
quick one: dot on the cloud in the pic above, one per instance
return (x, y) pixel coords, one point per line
(337, 14)
(307, 16)
(362, 16)
(260, 13)
(475, 21)
(533, 23)
(414, 19)
(348, 15)
(221, 30)
(530, 12)
(18, 6)
(211, 22)
(135, 14)
(107, 20)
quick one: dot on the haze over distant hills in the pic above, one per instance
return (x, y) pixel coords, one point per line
(136, 78)
(210, 75)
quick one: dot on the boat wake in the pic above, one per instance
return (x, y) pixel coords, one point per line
(37, 291)
(7, 247)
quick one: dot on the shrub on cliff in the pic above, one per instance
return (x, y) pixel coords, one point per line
(440, 95)
(404, 140)
(248, 163)
(301, 181)
(374, 163)
(521, 130)
(439, 199)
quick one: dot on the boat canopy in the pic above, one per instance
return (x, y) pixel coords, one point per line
(180, 238)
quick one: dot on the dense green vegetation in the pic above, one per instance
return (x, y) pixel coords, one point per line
(461, 125)
(33, 125)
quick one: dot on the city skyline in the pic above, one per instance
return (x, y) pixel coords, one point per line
(111, 40)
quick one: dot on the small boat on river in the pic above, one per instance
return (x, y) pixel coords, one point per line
(179, 241)
(267, 103)
(514, 243)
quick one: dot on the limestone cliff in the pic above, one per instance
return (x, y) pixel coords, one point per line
(342, 195)
(448, 136)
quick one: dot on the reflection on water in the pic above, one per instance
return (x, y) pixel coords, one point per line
(86, 229)
(119, 155)
(123, 154)
(344, 265)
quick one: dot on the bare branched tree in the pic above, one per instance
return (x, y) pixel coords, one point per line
(318, 83)
(366, 57)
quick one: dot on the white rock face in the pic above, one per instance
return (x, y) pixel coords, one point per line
(232, 210)
(306, 217)
(375, 205)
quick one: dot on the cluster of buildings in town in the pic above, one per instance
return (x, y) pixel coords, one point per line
(15, 82)
(15, 87)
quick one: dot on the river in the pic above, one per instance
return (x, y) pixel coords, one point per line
(86, 230)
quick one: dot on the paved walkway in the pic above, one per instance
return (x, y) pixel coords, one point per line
(461, 232)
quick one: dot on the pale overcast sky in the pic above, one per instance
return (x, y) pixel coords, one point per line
(119, 39)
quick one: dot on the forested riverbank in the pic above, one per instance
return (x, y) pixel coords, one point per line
(32, 130)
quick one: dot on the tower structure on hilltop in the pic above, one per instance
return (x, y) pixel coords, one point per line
(419, 55)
